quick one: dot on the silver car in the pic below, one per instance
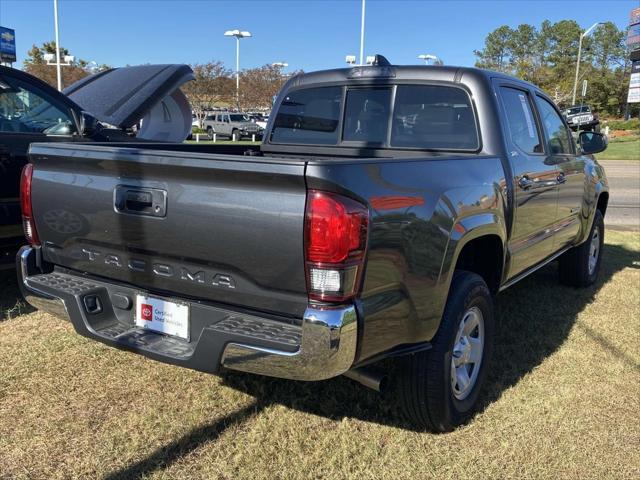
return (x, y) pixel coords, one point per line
(231, 125)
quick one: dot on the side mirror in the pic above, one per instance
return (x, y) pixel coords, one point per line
(88, 124)
(592, 142)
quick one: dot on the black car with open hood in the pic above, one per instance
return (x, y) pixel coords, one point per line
(116, 105)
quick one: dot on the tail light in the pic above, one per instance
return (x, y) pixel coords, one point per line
(27, 209)
(335, 245)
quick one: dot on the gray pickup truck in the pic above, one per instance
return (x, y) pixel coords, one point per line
(384, 210)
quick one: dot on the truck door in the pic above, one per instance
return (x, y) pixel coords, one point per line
(534, 179)
(571, 177)
(225, 125)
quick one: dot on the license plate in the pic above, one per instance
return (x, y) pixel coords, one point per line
(162, 316)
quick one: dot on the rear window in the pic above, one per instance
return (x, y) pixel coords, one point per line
(433, 117)
(309, 116)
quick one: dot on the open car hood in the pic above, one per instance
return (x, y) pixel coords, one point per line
(147, 94)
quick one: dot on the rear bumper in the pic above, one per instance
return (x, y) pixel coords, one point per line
(323, 346)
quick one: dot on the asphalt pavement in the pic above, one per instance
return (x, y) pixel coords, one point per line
(623, 212)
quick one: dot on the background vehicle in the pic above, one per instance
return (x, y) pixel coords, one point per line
(228, 124)
(580, 117)
(379, 217)
(33, 111)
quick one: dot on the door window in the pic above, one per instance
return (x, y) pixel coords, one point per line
(24, 109)
(522, 125)
(558, 134)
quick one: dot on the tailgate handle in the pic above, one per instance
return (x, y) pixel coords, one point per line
(140, 201)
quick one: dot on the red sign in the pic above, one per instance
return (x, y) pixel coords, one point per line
(146, 312)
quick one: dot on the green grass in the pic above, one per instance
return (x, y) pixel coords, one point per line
(562, 402)
(623, 148)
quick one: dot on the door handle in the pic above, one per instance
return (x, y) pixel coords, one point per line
(561, 178)
(525, 182)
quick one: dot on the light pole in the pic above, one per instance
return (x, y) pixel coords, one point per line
(58, 66)
(362, 34)
(238, 34)
(575, 82)
(426, 57)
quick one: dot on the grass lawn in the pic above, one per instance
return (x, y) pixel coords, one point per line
(625, 148)
(562, 402)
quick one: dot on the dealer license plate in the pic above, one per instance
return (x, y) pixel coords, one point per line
(162, 316)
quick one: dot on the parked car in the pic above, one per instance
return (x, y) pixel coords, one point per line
(581, 117)
(348, 236)
(231, 125)
(262, 121)
(147, 97)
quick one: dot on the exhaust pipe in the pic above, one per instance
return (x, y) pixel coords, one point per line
(370, 378)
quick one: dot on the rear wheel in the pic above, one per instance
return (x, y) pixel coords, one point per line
(579, 266)
(439, 388)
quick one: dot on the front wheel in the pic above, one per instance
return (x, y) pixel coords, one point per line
(579, 266)
(235, 135)
(439, 388)
(210, 133)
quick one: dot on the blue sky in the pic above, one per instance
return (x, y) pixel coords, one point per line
(307, 34)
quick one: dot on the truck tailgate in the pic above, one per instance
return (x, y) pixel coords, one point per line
(221, 228)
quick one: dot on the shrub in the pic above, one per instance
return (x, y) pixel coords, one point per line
(195, 130)
(631, 124)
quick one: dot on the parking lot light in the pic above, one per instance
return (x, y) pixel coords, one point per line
(238, 34)
(427, 57)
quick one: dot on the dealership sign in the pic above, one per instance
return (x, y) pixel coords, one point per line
(7, 45)
(634, 83)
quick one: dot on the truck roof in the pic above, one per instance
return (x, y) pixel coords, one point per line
(444, 73)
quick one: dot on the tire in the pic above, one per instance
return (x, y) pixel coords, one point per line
(579, 266)
(428, 396)
(210, 133)
(235, 133)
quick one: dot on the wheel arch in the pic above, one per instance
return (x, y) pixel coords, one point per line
(477, 244)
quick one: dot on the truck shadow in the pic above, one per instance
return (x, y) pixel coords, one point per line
(534, 318)
(11, 302)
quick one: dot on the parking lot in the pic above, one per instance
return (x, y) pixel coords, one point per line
(562, 402)
(624, 202)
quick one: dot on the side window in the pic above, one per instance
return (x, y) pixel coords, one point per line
(558, 134)
(522, 125)
(24, 109)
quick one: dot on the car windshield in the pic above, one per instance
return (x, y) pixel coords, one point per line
(238, 117)
(580, 109)
(24, 111)
(430, 117)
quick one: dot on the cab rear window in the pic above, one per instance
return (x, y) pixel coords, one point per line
(429, 117)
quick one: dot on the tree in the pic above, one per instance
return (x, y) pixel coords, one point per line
(496, 50)
(213, 84)
(547, 57)
(36, 65)
(259, 85)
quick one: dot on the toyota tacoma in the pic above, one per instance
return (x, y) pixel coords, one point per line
(385, 208)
